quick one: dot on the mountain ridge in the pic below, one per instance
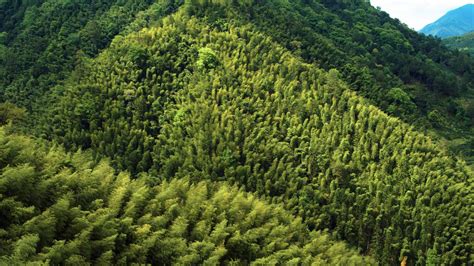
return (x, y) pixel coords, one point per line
(455, 23)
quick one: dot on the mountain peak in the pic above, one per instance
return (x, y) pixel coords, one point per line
(455, 23)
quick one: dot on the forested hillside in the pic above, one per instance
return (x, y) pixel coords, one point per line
(187, 100)
(405, 74)
(462, 43)
(41, 41)
(63, 208)
(316, 108)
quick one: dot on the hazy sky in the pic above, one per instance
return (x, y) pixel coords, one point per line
(418, 13)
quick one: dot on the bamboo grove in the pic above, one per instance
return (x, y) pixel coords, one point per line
(185, 100)
(208, 132)
(60, 208)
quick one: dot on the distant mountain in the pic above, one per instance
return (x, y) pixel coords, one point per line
(462, 43)
(455, 23)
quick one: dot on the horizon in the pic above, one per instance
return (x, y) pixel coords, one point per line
(418, 13)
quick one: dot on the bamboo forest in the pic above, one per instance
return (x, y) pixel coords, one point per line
(223, 132)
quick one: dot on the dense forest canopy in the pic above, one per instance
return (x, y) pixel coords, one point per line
(44, 40)
(462, 43)
(64, 208)
(306, 131)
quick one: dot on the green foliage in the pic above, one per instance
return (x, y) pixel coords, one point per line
(432, 258)
(48, 38)
(267, 121)
(3, 38)
(10, 112)
(463, 43)
(80, 212)
(241, 92)
(400, 102)
(373, 52)
(207, 59)
(437, 119)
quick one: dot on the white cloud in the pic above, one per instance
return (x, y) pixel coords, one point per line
(418, 13)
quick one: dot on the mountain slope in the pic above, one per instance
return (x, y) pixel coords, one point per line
(378, 57)
(455, 23)
(63, 208)
(244, 92)
(407, 75)
(43, 40)
(189, 99)
(462, 43)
